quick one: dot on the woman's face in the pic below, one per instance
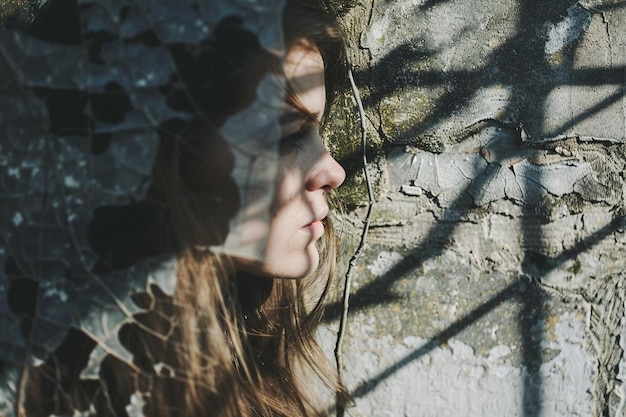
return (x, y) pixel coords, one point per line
(306, 173)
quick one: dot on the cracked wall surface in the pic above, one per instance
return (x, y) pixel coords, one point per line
(492, 277)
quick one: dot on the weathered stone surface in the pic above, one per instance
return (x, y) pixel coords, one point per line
(492, 279)
(555, 69)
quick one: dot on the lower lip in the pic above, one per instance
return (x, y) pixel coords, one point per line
(316, 229)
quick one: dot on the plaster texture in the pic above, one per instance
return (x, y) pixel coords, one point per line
(491, 283)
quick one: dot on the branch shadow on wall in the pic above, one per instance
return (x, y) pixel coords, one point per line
(526, 290)
(523, 68)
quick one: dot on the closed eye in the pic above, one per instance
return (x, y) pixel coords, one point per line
(296, 139)
(296, 126)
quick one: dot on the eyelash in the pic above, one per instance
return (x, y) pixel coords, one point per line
(294, 140)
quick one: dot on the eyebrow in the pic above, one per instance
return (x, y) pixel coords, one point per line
(298, 115)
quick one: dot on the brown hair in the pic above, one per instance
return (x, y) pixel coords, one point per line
(247, 342)
(226, 343)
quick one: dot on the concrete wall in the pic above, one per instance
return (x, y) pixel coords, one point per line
(491, 283)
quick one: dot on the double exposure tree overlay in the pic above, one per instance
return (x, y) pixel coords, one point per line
(85, 92)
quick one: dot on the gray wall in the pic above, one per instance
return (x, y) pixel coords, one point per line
(491, 283)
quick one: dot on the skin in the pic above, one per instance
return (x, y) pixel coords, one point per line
(306, 173)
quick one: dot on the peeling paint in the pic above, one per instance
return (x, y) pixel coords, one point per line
(436, 383)
(487, 168)
(568, 31)
(504, 128)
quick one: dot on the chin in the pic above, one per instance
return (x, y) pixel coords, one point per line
(291, 266)
(297, 267)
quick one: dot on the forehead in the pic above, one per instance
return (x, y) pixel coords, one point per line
(304, 70)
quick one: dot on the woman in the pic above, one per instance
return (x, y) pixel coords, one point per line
(236, 338)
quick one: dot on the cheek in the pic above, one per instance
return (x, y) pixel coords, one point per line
(289, 185)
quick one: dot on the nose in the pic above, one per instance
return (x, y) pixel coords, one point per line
(325, 174)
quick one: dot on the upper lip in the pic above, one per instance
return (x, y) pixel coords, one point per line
(321, 216)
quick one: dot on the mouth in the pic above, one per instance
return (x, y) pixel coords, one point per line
(316, 227)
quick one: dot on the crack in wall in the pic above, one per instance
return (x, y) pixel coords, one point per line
(500, 136)
(493, 165)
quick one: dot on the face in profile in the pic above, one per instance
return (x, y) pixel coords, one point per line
(306, 173)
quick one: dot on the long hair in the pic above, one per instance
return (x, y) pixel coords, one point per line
(243, 345)
(226, 343)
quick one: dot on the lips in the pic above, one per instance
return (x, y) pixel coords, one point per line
(316, 227)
